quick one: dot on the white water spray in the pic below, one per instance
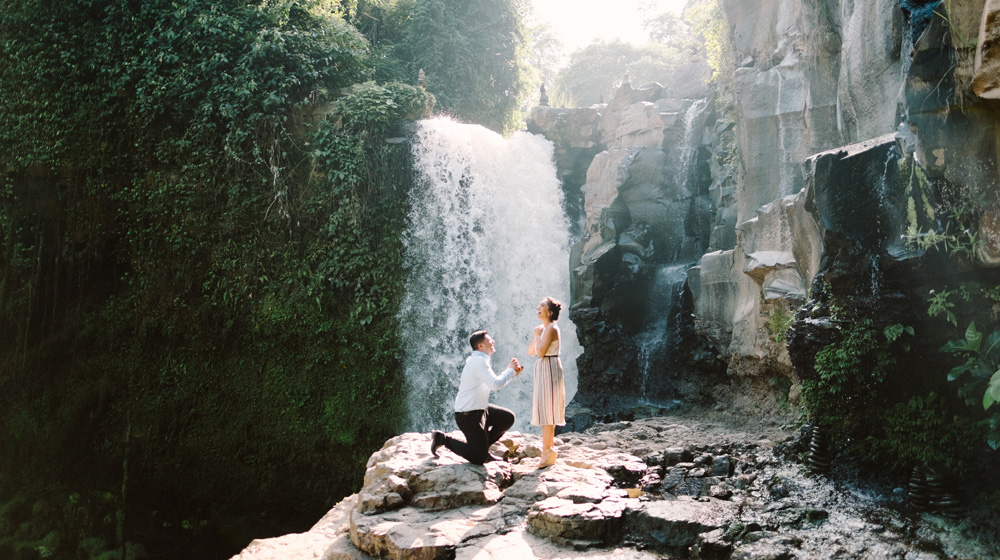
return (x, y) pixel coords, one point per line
(487, 239)
(689, 146)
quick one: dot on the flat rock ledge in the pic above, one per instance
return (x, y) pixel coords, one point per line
(655, 488)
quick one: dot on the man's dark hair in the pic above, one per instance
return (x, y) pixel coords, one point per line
(476, 338)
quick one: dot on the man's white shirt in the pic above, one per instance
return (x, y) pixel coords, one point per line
(478, 379)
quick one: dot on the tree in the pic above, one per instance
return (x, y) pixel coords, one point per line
(546, 57)
(594, 72)
(473, 53)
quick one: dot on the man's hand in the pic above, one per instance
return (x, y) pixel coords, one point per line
(515, 365)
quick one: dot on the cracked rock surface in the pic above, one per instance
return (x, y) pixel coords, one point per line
(666, 487)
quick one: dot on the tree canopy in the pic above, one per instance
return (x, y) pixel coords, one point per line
(200, 255)
(596, 71)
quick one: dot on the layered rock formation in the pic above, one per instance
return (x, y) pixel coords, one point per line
(644, 205)
(829, 99)
(639, 490)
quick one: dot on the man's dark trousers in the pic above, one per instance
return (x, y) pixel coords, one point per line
(482, 428)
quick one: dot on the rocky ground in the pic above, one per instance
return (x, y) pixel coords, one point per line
(710, 486)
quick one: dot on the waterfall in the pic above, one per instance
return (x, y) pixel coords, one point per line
(666, 298)
(890, 223)
(667, 290)
(689, 146)
(487, 239)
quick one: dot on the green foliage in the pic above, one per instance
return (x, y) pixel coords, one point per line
(978, 377)
(922, 432)
(948, 225)
(545, 58)
(596, 71)
(855, 364)
(779, 323)
(708, 21)
(473, 53)
(980, 374)
(938, 304)
(198, 277)
(895, 332)
(848, 391)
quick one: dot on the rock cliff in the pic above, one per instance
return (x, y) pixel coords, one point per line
(659, 487)
(793, 183)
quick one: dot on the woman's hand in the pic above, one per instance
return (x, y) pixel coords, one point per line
(537, 333)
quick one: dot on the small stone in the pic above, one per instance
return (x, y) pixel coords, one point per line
(721, 466)
(674, 455)
(720, 492)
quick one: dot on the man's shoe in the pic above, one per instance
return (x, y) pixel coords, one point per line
(437, 440)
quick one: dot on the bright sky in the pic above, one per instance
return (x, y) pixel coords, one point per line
(580, 22)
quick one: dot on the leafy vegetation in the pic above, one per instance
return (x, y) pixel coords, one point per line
(950, 228)
(979, 374)
(596, 71)
(779, 322)
(709, 24)
(473, 53)
(849, 372)
(200, 266)
(923, 432)
(893, 410)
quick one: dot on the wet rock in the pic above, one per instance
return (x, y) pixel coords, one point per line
(411, 533)
(674, 477)
(674, 455)
(564, 520)
(798, 517)
(691, 487)
(721, 466)
(574, 509)
(712, 546)
(720, 492)
(677, 523)
(626, 470)
(986, 81)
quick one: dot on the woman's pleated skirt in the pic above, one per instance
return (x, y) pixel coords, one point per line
(549, 403)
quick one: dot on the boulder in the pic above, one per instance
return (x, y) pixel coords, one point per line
(677, 523)
(564, 520)
(574, 510)
(412, 533)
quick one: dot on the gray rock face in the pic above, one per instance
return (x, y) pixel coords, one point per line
(822, 78)
(814, 81)
(729, 494)
(642, 207)
(986, 81)
(813, 76)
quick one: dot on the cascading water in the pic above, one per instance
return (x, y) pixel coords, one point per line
(666, 296)
(664, 315)
(888, 217)
(487, 239)
(689, 147)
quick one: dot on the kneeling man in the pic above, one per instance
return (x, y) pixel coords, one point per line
(482, 423)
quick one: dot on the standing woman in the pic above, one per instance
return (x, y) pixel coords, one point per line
(548, 408)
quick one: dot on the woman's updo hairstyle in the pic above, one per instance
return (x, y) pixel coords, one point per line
(554, 307)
